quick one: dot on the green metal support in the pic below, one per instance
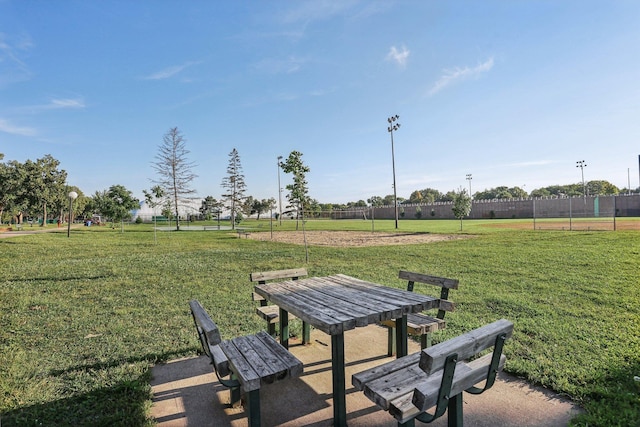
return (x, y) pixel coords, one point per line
(271, 329)
(402, 340)
(235, 392)
(284, 328)
(391, 341)
(306, 333)
(339, 389)
(253, 407)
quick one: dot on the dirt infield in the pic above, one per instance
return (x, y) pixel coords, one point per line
(353, 238)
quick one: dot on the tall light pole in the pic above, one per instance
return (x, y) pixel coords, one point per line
(581, 164)
(72, 196)
(394, 126)
(279, 193)
(469, 178)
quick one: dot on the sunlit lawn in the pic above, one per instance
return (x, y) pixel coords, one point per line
(85, 317)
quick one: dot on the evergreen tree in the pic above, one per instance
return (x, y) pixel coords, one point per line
(234, 187)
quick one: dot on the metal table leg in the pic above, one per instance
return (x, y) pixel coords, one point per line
(284, 328)
(339, 389)
(402, 342)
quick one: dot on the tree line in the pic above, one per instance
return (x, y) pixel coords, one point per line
(38, 190)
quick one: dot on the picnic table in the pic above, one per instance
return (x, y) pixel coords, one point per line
(337, 303)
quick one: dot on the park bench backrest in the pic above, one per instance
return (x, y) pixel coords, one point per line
(457, 350)
(263, 276)
(293, 274)
(442, 282)
(210, 339)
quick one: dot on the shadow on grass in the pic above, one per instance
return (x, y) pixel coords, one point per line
(151, 358)
(123, 404)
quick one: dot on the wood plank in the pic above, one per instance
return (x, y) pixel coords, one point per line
(271, 313)
(419, 324)
(361, 378)
(277, 274)
(219, 360)
(347, 302)
(256, 297)
(268, 366)
(443, 282)
(382, 391)
(467, 375)
(409, 301)
(447, 305)
(318, 315)
(403, 408)
(248, 377)
(466, 345)
(293, 364)
(204, 322)
(380, 308)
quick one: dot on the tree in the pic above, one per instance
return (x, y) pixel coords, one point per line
(603, 188)
(210, 207)
(235, 187)
(7, 187)
(175, 171)
(116, 203)
(375, 201)
(298, 191)
(41, 185)
(154, 198)
(461, 205)
(255, 206)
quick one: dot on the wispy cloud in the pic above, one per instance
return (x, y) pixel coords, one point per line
(316, 10)
(7, 127)
(280, 66)
(53, 104)
(14, 69)
(66, 103)
(399, 56)
(170, 71)
(457, 74)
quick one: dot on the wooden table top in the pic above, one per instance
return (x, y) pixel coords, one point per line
(337, 303)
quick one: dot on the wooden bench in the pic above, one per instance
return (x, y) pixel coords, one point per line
(421, 324)
(252, 361)
(409, 386)
(271, 313)
(242, 232)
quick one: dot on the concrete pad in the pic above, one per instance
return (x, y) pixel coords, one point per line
(187, 393)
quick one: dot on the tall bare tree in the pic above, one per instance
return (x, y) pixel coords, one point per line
(235, 187)
(175, 171)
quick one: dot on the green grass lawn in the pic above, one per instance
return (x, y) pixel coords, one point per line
(84, 318)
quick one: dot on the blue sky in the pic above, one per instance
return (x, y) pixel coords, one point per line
(512, 92)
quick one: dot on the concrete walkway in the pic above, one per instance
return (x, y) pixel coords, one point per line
(187, 393)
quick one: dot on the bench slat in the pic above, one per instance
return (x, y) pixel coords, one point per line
(293, 364)
(443, 282)
(247, 376)
(271, 313)
(205, 323)
(219, 360)
(388, 388)
(278, 274)
(361, 378)
(466, 345)
(260, 358)
(418, 324)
